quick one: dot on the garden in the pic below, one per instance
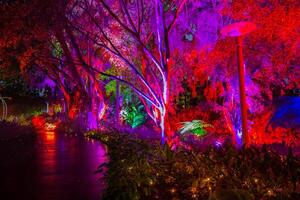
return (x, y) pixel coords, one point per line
(159, 99)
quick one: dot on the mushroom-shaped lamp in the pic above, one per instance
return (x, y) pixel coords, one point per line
(237, 30)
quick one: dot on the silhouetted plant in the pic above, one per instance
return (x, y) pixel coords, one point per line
(140, 169)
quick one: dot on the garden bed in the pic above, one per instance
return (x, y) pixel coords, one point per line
(140, 169)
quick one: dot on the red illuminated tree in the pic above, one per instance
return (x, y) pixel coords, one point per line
(36, 36)
(271, 56)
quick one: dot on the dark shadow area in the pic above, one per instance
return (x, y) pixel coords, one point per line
(53, 167)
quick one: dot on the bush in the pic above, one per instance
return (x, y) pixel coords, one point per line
(140, 169)
(196, 127)
(134, 116)
(21, 120)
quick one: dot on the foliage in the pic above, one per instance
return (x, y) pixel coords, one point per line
(231, 194)
(20, 120)
(140, 169)
(196, 127)
(272, 48)
(158, 51)
(271, 62)
(57, 49)
(57, 108)
(125, 173)
(110, 88)
(14, 85)
(134, 115)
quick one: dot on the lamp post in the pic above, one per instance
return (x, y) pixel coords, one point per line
(238, 30)
(4, 106)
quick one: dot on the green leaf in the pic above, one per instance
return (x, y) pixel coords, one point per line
(111, 88)
(196, 127)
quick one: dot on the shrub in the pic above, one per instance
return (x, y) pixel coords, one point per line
(196, 127)
(134, 116)
(20, 120)
(140, 169)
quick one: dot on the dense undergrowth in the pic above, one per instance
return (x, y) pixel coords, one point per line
(140, 169)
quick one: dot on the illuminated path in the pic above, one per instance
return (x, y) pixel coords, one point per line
(62, 168)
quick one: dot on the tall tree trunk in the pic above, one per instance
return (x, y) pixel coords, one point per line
(117, 114)
(165, 124)
(164, 53)
(91, 108)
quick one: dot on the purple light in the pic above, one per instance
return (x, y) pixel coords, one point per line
(92, 121)
(218, 144)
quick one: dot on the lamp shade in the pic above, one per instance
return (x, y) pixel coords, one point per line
(238, 29)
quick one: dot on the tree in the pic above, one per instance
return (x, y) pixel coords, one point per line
(36, 36)
(137, 41)
(270, 57)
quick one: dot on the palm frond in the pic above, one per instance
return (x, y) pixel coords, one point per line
(196, 127)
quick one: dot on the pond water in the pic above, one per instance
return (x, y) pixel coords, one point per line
(61, 168)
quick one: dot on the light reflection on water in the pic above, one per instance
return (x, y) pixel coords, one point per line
(61, 168)
(67, 165)
(50, 136)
